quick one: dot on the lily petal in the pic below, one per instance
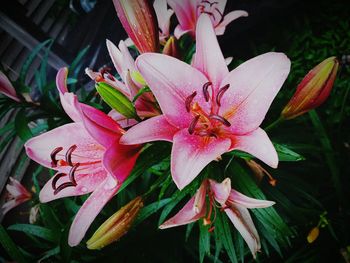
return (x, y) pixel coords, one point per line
(119, 160)
(86, 183)
(171, 85)
(101, 127)
(121, 119)
(40, 147)
(90, 209)
(191, 153)
(253, 86)
(191, 212)
(186, 14)
(258, 144)
(209, 58)
(241, 219)
(228, 18)
(154, 129)
(7, 88)
(163, 16)
(69, 101)
(221, 190)
(248, 202)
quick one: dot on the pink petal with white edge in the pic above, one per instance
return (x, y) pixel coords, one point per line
(248, 202)
(119, 160)
(8, 205)
(209, 58)
(86, 183)
(221, 190)
(163, 16)
(191, 212)
(153, 129)
(228, 18)
(90, 209)
(69, 101)
(258, 144)
(40, 147)
(253, 86)
(191, 153)
(172, 81)
(243, 222)
(100, 126)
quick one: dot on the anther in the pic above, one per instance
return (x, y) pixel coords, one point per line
(189, 100)
(205, 90)
(71, 173)
(220, 119)
(63, 186)
(221, 93)
(69, 154)
(193, 124)
(55, 179)
(53, 156)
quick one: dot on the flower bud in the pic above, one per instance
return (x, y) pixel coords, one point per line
(313, 90)
(6, 88)
(140, 22)
(116, 226)
(313, 234)
(171, 48)
(116, 100)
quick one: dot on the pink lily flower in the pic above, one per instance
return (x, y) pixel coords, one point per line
(207, 110)
(234, 203)
(6, 88)
(188, 12)
(17, 194)
(87, 157)
(125, 66)
(163, 16)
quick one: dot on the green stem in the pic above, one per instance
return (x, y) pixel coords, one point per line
(274, 124)
(328, 151)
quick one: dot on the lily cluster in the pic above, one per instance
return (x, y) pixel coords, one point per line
(202, 108)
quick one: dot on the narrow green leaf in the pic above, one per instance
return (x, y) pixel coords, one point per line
(116, 100)
(224, 232)
(149, 210)
(49, 253)
(34, 230)
(26, 65)
(77, 60)
(204, 241)
(189, 230)
(10, 246)
(21, 126)
(287, 155)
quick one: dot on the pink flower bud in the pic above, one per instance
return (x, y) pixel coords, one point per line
(6, 88)
(140, 22)
(313, 90)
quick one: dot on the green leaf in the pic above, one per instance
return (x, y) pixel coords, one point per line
(28, 62)
(8, 127)
(34, 230)
(223, 231)
(149, 210)
(189, 230)
(204, 241)
(116, 100)
(287, 155)
(77, 60)
(21, 126)
(49, 253)
(150, 156)
(10, 246)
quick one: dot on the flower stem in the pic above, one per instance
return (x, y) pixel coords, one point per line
(274, 124)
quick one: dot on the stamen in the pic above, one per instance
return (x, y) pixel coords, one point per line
(221, 15)
(193, 124)
(53, 156)
(55, 179)
(189, 100)
(63, 186)
(71, 173)
(220, 119)
(205, 90)
(221, 93)
(69, 154)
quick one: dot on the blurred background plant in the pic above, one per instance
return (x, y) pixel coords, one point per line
(309, 223)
